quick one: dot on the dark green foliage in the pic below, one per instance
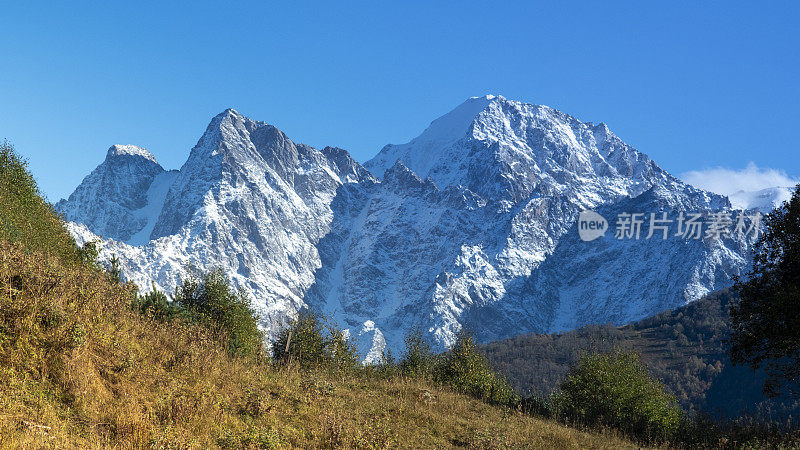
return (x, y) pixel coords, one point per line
(340, 350)
(113, 269)
(155, 304)
(25, 216)
(466, 370)
(310, 343)
(302, 341)
(766, 321)
(615, 390)
(418, 360)
(386, 368)
(88, 254)
(209, 300)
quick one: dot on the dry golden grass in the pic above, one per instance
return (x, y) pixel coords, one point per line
(78, 369)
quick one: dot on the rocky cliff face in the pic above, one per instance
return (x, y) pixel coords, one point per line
(116, 200)
(473, 223)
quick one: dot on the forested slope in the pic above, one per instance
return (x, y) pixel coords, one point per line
(685, 348)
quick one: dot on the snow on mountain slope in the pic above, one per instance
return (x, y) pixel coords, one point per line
(156, 195)
(764, 200)
(471, 224)
(425, 152)
(509, 150)
(612, 280)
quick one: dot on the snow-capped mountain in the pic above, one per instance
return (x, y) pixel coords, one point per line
(473, 223)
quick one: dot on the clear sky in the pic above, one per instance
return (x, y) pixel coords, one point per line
(695, 86)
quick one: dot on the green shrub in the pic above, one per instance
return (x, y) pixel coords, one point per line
(466, 370)
(340, 350)
(209, 300)
(155, 304)
(301, 341)
(311, 343)
(88, 254)
(615, 390)
(386, 368)
(113, 270)
(418, 360)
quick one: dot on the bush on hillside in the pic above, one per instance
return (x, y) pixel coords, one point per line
(155, 304)
(466, 370)
(88, 253)
(301, 341)
(209, 300)
(340, 350)
(615, 390)
(418, 359)
(386, 367)
(113, 269)
(311, 343)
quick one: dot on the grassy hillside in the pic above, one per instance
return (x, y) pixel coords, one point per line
(79, 368)
(684, 348)
(25, 216)
(75, 360)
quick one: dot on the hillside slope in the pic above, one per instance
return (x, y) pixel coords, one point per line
(25, 216)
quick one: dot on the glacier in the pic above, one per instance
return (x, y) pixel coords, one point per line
(472, 224)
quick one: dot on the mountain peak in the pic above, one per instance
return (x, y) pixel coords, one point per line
(456, 124)
(487, 97)
(228, 112)
(129, 150)
(109, 200)
(227, 118)
(399, 169)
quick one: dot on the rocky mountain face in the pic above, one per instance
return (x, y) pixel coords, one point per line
(117, 200)
(471, 224)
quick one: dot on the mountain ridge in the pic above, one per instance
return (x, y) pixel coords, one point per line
(457, 239)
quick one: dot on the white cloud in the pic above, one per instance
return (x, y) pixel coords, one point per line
(726, 181)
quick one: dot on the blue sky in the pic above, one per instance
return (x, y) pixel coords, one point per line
(694, 85)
